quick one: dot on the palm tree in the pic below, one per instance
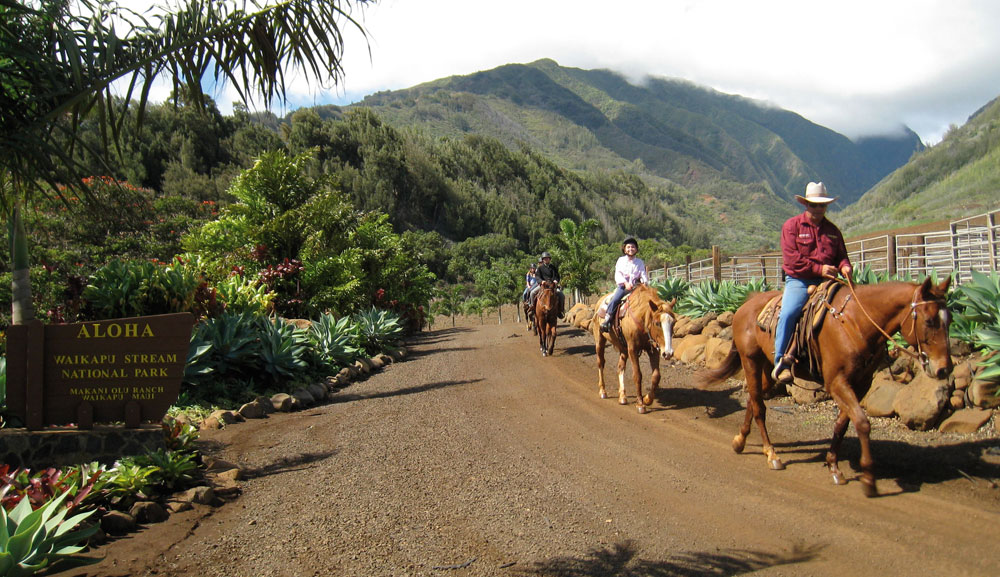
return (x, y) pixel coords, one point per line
(60, 62)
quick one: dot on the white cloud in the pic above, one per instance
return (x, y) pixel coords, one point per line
(856, 66)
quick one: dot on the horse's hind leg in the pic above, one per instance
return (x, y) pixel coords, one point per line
(599, 344)
(755, 373)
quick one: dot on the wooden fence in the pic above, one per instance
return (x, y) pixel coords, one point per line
(969, 244)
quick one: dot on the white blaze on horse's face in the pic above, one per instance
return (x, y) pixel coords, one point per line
(667, 326)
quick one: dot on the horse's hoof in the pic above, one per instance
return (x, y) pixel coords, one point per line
(869, 489)
(739, 442)
(776, 464)
(622, 401)
(838, 478)
(647, 399)
(603, 395)
(642, 409)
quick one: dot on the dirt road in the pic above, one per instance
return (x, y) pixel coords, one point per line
(477, 456)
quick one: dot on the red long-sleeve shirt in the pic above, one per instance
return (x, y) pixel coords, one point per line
(806, 247)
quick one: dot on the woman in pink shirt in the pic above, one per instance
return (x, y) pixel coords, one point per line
(629, 272)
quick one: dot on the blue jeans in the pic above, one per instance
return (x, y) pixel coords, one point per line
(792, 300)
(616, 298)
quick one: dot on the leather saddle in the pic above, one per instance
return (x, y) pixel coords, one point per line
(616, 323)
(820, 301)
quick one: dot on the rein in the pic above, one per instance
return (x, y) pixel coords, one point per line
(914, 303)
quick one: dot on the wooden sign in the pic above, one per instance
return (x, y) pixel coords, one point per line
(96, 372)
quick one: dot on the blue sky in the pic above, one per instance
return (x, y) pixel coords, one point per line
(859, 67)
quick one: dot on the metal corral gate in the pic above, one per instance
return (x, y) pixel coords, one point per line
(969, 244)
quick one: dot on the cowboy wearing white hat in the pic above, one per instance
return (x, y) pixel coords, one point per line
(812, 250)
(815, 194)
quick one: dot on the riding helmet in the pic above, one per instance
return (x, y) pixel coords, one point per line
(546, 255)
(630, 240)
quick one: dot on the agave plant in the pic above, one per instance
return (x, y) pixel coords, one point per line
(283, 348)
(32, 540)
(673, 287)
(233, 340)
(712, 296)
(335, 340)
(378, 330)
(977, 318)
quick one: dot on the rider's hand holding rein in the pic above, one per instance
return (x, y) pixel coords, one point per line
(830, 271)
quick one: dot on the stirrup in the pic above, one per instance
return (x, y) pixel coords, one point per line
(782, 372)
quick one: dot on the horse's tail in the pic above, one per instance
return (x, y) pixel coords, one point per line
(729, 367)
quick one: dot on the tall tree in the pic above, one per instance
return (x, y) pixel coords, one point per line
(574, 247)
(60, 61)
(498, 284)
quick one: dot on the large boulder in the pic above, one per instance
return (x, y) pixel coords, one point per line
(920, 403)
(880, 398)
(716, 351)
(983, 394)
(965, 421)
(691, 349)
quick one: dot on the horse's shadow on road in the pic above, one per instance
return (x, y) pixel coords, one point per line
(910, 466)
(717, 403)
(623, 559)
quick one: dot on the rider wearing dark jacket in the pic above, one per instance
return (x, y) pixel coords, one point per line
(548, 272)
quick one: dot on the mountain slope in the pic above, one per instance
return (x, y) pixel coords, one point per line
(678, 131)
(956, 178)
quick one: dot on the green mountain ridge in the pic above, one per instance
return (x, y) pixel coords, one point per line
(956, 178)
(737, 162)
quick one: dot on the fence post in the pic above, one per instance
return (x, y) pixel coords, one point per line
(716, 264)
(687, 268)
(993, 230)
(763, 269)
(890, 254)
(953, 232)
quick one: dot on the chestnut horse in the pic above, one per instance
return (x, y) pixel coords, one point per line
(546, 317)
(849, 347)
(648, 327)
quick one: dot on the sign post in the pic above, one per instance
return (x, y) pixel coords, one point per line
(103, 371)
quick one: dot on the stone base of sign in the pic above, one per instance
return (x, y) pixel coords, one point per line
(66, 447)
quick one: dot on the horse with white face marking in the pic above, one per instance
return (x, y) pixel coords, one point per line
(647, 324)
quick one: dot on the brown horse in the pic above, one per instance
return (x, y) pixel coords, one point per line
(849, 347)
(647, 327)
(529, 316)
(546, 317)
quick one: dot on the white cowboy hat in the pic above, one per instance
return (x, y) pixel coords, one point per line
(815, 194)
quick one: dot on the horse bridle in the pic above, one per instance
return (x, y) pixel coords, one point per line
(920, 355)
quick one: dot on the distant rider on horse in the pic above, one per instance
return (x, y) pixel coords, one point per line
(529, 282)
(630, 271)
(548, 272)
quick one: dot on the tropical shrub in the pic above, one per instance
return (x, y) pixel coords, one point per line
(128, 482)
(241, 294)
(136, 288)
(171, 470)
(41, 486)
